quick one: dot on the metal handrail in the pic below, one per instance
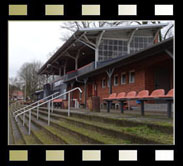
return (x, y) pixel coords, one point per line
(48, 101)
(34, 103)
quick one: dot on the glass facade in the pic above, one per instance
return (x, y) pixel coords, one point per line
(110, 49)
(140, 42)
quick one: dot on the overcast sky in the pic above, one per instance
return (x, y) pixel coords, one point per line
(32, 41)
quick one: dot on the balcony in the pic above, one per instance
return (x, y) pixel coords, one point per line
(70, 74)
(82, 70)
(87, 68)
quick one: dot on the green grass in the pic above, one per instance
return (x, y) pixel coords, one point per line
(147, 119)
(29, 139)
(140, 131)
(68, 138)
(93, 134)
(44, 137)
(63, 135)
(148, 133)
(19, 142)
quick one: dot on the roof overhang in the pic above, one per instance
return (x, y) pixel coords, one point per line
(156, 49)
(73, 45)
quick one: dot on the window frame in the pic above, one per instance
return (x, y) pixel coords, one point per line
(103, 86)
(123, 73)
(131, 71)
(116, 75)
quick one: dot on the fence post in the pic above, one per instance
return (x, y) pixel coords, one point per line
(23, 119)
(52, 104)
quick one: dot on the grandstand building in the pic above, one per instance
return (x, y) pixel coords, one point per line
(109, 60)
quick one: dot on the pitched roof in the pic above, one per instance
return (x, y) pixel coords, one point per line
(164, 46)
(93, 32)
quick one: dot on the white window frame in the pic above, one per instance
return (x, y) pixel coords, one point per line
(124, 73)
(132, 71)
(103, 86)
(114, 80)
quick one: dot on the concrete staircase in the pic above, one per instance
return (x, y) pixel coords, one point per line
(82, 128)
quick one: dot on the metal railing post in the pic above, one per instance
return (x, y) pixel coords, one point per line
(29, 122)
(23, 119)
(52, 104)
(38, 111)
(49, 113)
(28, 106)
(69, 102)
(49, 107)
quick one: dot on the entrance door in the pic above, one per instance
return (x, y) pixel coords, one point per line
(162, 79)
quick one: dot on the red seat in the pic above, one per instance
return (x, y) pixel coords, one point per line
(169, 94)
(131, 95)
(157, 93)
(111, 97)
(121, 95)
(142, 94)
(57, 100)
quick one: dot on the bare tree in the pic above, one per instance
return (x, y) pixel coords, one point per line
(14, 85)
(28, 75)
(73, 26)
(162, 36)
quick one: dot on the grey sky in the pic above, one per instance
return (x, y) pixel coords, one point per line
(32, 41)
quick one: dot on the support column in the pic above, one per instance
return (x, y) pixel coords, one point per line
(109, 103)
(71, 95)
(76, 60)
(130, 39)
(85, 91)
(98, 40)
(121, 106)
(142, 107)
(60, 71)
(96, 57)
(169, 109)
(64, 69)
(109, 73)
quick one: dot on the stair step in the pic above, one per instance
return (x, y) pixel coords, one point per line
(29, 139)
(69, 136)
(140, 134)
(18, 139)
(98, 138)
(114, 121)
(39, 133)
(11, 138)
